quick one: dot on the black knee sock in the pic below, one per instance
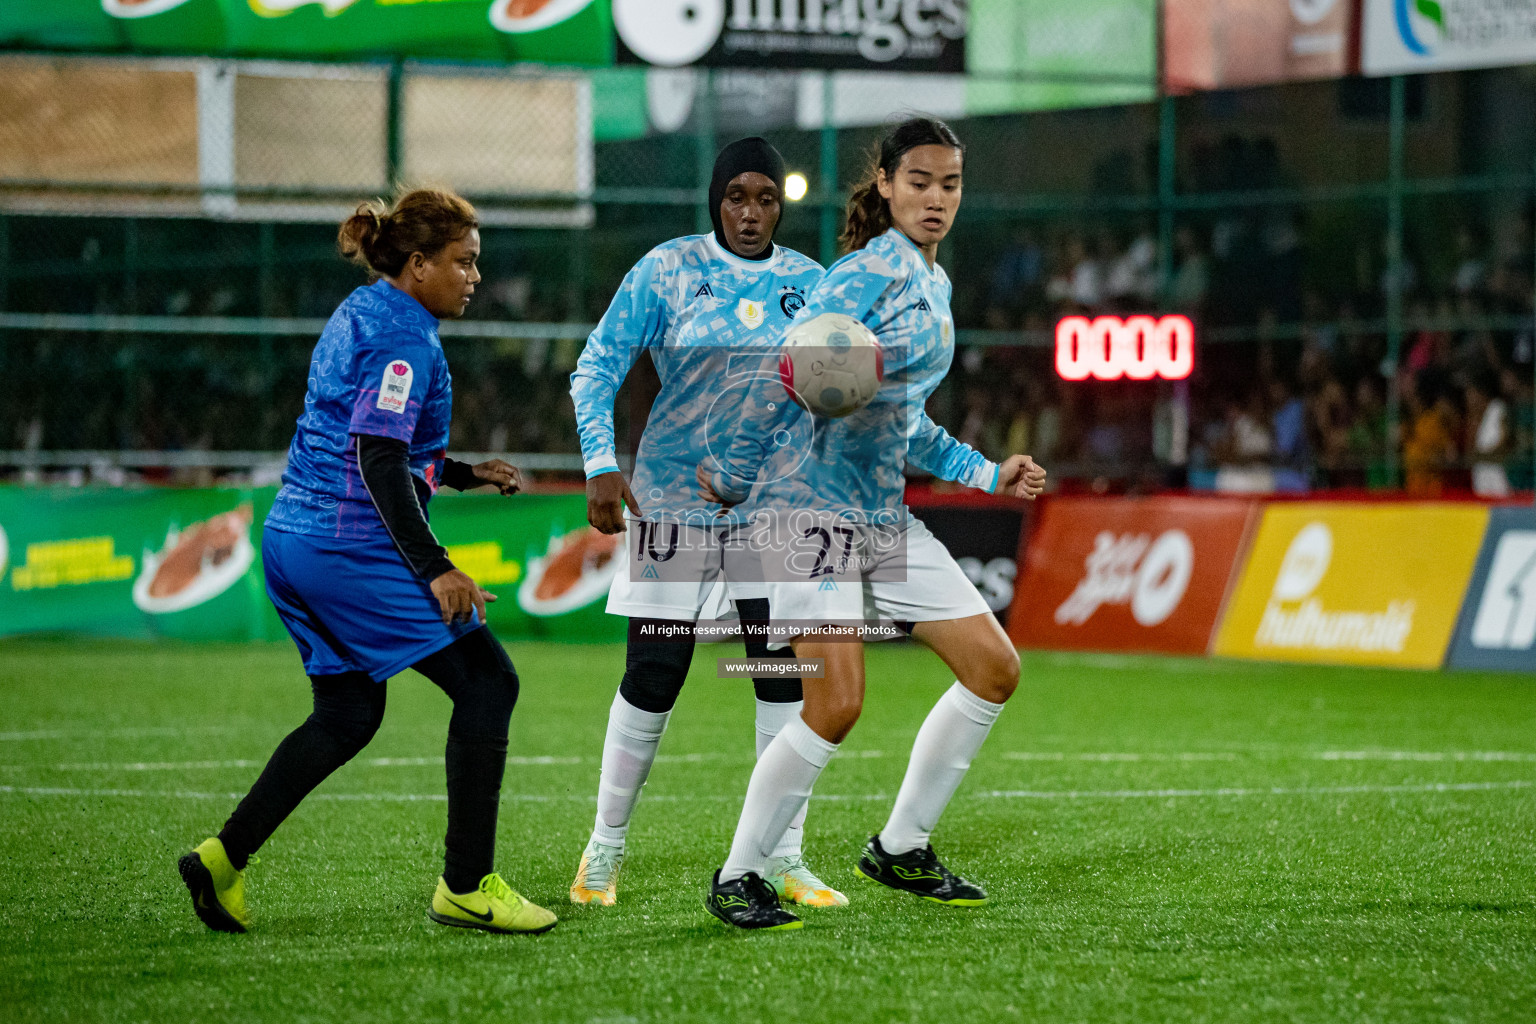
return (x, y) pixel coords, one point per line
(754, 625)
(348, 710)
(477, 674)
(656, 661)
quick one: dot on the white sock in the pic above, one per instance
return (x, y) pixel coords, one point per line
(629, 750)
(770, 719)
(950, 737)
(781, 784)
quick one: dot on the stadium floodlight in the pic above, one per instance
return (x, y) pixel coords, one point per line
(795, 186)
(1138, 347)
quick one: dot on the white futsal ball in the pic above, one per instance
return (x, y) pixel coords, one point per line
(831, 365)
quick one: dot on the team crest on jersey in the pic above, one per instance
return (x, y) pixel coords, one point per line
(750, 313)
(922, 304)
(704, 289)
(791, 301)
(395, 388)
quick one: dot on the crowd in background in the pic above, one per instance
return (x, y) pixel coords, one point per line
(1293, 389)
(1294, 372)
(1297, 396)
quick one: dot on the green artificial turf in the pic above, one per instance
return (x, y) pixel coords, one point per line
(1163, 839)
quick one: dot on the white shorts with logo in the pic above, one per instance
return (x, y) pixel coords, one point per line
(935, 588)
(695, 591)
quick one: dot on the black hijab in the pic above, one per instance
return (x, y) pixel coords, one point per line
(742, 157)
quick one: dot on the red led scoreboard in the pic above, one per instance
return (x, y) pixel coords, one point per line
(1137, 347)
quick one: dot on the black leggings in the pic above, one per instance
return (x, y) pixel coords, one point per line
(477, 675)
(655, 670)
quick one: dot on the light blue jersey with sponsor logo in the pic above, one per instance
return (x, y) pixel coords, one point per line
(855, 464)
(711, 321)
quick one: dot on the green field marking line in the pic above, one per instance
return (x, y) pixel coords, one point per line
(1246, 791)
(994, 794)
(1424, 755)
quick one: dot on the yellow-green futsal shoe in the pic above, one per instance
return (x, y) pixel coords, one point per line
(218, 890)
(597, 876)
(796, 883)
(494, 907)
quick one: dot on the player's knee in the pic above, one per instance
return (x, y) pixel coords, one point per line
(352, 727)
(996, 675)
(349, 707)
(654, 672)
(652, 687)
(834, 718)
(503, 690)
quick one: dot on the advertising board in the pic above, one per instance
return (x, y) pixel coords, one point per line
(911, 36)
(983, 534)
(1225, 44)
(1354, 584)
(1404, 37)
(1127, 574)
(551, 31)
(186, 564)
(1497, 625)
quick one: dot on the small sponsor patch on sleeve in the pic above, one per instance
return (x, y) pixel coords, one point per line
(395, 388)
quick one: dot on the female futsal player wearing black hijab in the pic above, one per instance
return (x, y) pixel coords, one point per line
(690, 302)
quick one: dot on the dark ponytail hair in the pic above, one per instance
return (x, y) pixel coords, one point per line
(869, 214)
(425, 220)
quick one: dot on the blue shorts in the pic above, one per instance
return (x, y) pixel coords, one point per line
(353, 605)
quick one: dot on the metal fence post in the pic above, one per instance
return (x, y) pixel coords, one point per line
(5, 281)
(393, 137)
(1167, 162)
(828, 187)
(267, 298)
(130, 265)
(1394, 272)
(5, 262)
(1167, 168)
(704, 112)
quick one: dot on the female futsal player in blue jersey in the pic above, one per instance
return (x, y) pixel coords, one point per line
(889, 280)
(360, 581)
(701, 305)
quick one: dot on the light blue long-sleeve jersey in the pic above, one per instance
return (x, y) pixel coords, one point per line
(710, 320)
(855, 464)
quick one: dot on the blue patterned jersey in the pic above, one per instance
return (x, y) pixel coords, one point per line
(856, 463)
(378, 369)
(711, 321)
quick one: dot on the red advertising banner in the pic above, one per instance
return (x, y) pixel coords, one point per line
(1127, 574)
(1225, 44)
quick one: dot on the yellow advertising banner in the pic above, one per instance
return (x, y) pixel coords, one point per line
(1353, 584)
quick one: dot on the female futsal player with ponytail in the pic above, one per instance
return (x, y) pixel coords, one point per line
(890, 282)
(700, 305)
(358, 578)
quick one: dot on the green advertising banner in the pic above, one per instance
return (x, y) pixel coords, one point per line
(1087, 53)
(547, 31)
(186, 564)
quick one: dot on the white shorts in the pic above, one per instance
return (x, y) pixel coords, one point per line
(692, 586)
(935, 588)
